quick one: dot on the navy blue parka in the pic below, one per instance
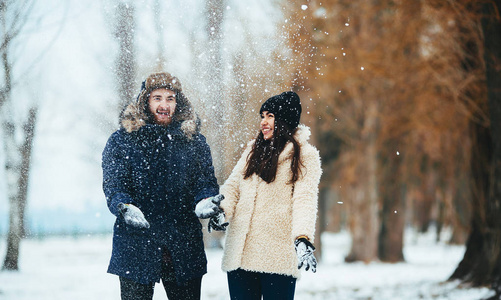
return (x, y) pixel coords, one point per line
(164, 173)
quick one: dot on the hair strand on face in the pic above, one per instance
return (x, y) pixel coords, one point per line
(264, 155)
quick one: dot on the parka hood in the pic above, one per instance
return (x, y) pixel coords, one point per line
(136, 114)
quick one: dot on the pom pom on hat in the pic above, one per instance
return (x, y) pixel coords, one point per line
(286, 107)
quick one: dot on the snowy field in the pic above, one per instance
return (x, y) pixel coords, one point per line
(59, 268)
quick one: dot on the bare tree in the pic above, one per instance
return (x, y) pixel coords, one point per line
(13, 16)
(214, 80)
(125, 70)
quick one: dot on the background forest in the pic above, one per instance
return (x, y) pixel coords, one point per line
(402, 96)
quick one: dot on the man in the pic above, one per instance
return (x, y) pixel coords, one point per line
(156, 168)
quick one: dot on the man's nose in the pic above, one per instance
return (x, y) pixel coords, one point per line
(163, 104)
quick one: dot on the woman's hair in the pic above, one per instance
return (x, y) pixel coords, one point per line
(263, 157)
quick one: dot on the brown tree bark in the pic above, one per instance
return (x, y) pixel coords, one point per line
(321, 221)
(481, 264)
(424, 207)
(474, 266)
(391, 185)
(364, 216)
(391, 236)
(491, 26)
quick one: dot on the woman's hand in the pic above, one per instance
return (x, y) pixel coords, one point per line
(304, 251)
(217, 222)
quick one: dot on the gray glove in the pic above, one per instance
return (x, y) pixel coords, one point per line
(133, 216)
(208, 207)
(304, 251)
(217, 222)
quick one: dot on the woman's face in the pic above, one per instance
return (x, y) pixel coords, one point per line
(267, 125)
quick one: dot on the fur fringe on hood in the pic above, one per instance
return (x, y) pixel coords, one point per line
(137, 115)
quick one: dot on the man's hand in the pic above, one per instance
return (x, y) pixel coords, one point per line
(304, 251)
(208, 207)
(217, 222)
(133, 216)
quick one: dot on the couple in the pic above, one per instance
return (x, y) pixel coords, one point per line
(159, 180)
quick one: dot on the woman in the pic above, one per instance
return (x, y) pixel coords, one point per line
(271, 205)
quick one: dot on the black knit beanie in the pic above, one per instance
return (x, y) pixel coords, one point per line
(286, 107)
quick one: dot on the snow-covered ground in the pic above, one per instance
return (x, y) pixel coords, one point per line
(75, 268)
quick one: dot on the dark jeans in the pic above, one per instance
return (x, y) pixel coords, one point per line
(246, 285)
(190, 290)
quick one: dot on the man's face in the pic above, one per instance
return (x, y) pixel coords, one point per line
(162, 105)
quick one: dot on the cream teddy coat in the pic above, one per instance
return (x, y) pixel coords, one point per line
(266, 218)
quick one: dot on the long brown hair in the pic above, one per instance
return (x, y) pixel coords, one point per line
(263, 157)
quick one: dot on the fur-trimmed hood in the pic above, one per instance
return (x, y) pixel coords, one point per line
(136, 114)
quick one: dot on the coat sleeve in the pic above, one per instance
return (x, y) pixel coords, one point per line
(206, 182)
(305, 196)
(116, 176)
(231, 187)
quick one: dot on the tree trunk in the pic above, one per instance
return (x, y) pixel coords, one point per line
(425, 206)
(477, 262)
(391, 188)
(17, 159)
(16, 207)
(461, 205)
(364, 219)
(12, 168)
(475, 266)
(321, 220)
(481, 264)
(125, 71)
(215, 15)
(492, 55)
(18, 167)
(392, 214)
(213, 97)
(26, 150)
